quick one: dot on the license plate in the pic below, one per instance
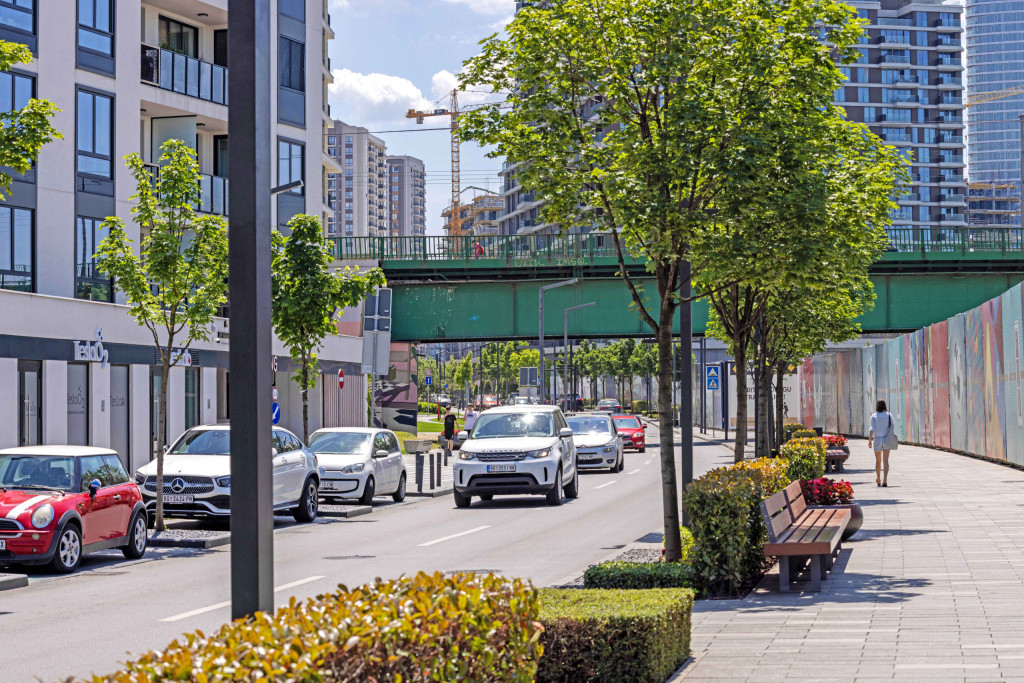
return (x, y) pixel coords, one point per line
(589, 461)
(328, 485)
(178, 498)
(501, 468)
(3, 544)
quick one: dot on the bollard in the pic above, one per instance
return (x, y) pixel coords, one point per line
(419, 472)
(447, 454)
(431, 473)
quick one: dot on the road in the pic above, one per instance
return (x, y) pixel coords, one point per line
(90, 621)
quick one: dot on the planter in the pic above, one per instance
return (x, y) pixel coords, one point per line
(856, 519)
(845, 449)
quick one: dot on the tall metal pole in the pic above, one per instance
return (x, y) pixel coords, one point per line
(540, 330)
(565, 343)
(686, 363)
(704, 389)
(252, 521)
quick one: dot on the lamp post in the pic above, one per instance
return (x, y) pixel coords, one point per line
(565, 344)
(540, 328)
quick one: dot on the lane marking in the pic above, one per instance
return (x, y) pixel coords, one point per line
(227, 603)
(634, 471)
(448, 538)
(647, 461)
(605, 484)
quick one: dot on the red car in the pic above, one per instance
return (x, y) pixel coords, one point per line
(59, 502)
(632, 431)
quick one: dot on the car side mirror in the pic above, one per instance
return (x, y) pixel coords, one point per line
(273, 452)
(565, 433)
(381, 453)
(94, 486)
(462, 436)
(643, 428)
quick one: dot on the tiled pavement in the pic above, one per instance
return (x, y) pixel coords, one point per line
(930, 588)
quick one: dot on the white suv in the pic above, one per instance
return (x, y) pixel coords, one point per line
(517, 450)
(197, 476)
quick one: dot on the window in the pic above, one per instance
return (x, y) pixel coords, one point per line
(179, 37)
(95, 134)
(96, 26)
(296, 9)
(78, 406)
(290, 157)
(348, 139)
(332, 140)
(292, 62)
(16, 248)
(191, 397)
(89, 282)
(18, 14)
(863, 95)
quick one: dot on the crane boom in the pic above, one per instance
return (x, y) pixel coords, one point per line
(982, 97)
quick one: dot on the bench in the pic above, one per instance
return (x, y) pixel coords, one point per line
(834, 459)
(797, 532)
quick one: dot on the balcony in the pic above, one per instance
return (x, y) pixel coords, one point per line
(894, 59)
(169, 70)
(953, 198)
(893, 21)
(955, 140)
(896, 137)
(958, 160)
(953, 218)
(951, 82)
(213, 195)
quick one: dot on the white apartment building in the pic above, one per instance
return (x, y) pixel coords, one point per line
(408, 191)
(127, 76)
(361, 207)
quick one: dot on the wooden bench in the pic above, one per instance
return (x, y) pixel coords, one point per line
(797, 532)
(835, 458)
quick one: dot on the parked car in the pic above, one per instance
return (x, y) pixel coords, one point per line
(598, 444)
(610, 405)
(633, 431)
(572, 404)
(524, 401)
(359, 463)
(488, 401)
(197, 476)
(58, 503)
(442, 400)
(516, 450)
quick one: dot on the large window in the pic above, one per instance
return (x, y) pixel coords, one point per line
(292, 61)
(179, 37)
(290, 156)
(16, 247)
(191, 397)
(15, 91)
(95, 134)
(296, 9)
(18, 14)
(96, 26)
(89, 282)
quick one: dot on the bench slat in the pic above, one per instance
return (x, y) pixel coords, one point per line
(795, 496)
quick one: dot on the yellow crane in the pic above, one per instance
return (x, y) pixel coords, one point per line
(982, 97)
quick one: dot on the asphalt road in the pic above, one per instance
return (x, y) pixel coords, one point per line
(90, 621)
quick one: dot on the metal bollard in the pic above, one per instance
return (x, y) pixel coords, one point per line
(447, 454)
(419, 472)
(431, 473)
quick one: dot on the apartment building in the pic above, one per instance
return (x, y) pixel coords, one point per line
(408, 196)
(907, 86)
(128, 76)
(481, 216)
(361, 206)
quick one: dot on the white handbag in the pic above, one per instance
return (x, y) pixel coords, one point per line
(890, 442)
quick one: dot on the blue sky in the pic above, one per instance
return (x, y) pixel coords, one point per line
(392, 55)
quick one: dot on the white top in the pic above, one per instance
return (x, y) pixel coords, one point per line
(880, 425)
(471, 416)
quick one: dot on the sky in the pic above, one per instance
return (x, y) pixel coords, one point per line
(389, 56)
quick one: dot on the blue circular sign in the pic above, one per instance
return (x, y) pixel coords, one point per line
(276, 412)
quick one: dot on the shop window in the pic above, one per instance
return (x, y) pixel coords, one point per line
(78, 404)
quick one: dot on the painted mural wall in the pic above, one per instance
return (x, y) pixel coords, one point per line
(956, 384)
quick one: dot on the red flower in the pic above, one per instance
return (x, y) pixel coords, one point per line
(825, 491)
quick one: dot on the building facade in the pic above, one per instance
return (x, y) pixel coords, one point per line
(481, 216)
(128, 76)
(408, 196)
(362, 207)
(907, 86)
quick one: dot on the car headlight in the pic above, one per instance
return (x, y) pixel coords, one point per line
(353, 469)
(465, 455)
(609, 448)
(542, 453)
(42, 516)
(140, 478)
(223, 482)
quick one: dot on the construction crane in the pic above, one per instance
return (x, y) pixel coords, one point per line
(455, 224)
(982, 97)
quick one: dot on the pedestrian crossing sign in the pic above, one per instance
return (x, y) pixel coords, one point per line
(711, 374)
(712, 384)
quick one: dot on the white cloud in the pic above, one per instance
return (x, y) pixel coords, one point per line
(487, 6)
(444, 81)
(502, 23)
(376, 97)
(339, 4)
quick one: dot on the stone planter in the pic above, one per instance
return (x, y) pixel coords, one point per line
(856, 519)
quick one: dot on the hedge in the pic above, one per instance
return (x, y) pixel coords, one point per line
(425, 628)
(614, 635)
(641, 407)
(428, 408)
(772, 477)
(622, 574)
(804, 434)
(806, 458)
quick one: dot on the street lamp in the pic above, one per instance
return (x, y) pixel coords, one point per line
(540, 328)
(565, 345)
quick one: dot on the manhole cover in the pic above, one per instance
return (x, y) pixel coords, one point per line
(350, 557)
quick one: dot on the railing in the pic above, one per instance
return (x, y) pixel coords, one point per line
(213, 195)
(954, 239)
(476, 247)
(180, 73)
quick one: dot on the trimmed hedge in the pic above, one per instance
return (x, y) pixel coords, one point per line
(774, 473)
(791, 427)
(425, 628)
(639, 575)
(641, 407)
(428, 408)
(614, 635)
(806, 458)
(804, 434)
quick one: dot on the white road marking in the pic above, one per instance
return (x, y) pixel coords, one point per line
(634, 471)
(448, 538)
(648, 461)
(227, 603)
(605, 484)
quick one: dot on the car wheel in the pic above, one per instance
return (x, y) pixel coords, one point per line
(622, 462)
(486, 496)
(557, 495)
(309, 502)
(68, 554)
(368, 491)
(399, 495)
(573, 489)
(462, 501)
(137, 537)
(642, 449)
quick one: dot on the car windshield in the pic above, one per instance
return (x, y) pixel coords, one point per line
(204, 442)
(522, 401)
(589, 425)
(38, 472)
(608, 402)
(503, 425)
(347, 443)
(627, 422)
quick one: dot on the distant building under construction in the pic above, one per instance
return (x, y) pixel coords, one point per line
(478, 217)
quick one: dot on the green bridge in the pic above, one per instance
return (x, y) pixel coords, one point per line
(486, 287)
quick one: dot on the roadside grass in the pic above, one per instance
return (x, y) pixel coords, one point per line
(429, 426)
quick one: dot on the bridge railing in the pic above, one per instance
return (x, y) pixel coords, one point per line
(526, 248)
(956, 240)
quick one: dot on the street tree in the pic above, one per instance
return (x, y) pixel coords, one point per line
(462, 375)
(24, 131)
(306, 295)
(177, 281)
(643, 362)
(640, 117)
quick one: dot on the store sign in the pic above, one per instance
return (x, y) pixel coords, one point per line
(91, 352)
(181, 357)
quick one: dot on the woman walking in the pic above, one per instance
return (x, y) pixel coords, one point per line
(882, 440)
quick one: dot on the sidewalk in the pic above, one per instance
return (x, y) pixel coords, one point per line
(931, 586)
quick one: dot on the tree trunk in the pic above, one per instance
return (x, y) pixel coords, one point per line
(741, 400)
(780, 401)
(669, 487)
(763, 446)
(161, 441)
(305, 399)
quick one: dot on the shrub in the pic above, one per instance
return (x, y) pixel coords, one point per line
(428, 408)
(834, 441)
(623, 574)
(825, 491)
(427, 627)
(614, 635)
(641, 406)
(791, 427)
(806, 457)
(685, 544)
(774, 474)
(804, 434)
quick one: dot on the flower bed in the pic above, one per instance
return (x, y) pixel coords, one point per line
(834, 440)
(825, 491)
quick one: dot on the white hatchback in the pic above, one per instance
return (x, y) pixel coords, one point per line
(359, 463)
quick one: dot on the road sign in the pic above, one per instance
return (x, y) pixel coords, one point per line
(274, 393)
(276, 412)
(528, 377)
(430, 380)
(341, 378)
(445, 386)
(713, 376)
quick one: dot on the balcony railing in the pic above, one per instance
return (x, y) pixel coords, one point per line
(955, 239)
(464, 247)
(213, 195)
(180, 73)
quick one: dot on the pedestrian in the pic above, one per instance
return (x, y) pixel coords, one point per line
(470, 419)
(882, 439)
(449, 428)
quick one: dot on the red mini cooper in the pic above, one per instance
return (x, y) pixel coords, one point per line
(632, 431)
(60, 502)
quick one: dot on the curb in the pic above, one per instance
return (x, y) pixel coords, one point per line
(436, 493)
(201, 543)
(11, 581)
(608, 558)
(347, 514)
